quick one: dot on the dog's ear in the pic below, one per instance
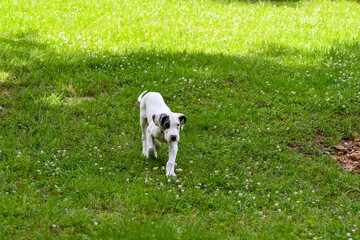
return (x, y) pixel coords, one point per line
(161, 120)
(182, 117)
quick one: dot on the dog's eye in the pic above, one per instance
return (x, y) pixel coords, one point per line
(178, 125)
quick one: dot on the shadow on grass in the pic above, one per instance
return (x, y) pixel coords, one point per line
(277, 84)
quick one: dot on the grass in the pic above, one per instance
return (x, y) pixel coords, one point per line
(267, 87)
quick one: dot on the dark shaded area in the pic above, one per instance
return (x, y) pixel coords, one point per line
(203, 80)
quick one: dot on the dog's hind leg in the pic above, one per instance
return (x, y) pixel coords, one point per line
(143, 124)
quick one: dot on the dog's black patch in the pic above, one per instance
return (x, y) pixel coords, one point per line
(164, 120)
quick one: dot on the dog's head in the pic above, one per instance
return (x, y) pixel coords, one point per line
(170, 125)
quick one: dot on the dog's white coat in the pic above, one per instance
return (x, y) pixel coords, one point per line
(152, 106)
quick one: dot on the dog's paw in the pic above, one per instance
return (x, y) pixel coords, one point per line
(170, 167)
(152, 152)
(145, 154)
(170, 174)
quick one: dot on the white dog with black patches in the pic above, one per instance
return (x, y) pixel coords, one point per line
(159, 124)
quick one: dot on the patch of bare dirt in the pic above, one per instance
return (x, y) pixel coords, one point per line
(348, 155)
(71, 100)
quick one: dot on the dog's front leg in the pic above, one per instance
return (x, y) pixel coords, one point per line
(170, 165)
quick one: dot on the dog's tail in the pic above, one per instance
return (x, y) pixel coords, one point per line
(141, 95)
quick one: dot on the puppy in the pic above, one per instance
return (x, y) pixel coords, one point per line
(159, 124)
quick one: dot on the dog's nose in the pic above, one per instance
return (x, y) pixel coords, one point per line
(173, 138)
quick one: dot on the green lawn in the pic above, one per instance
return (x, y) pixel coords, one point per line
(267, 86)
